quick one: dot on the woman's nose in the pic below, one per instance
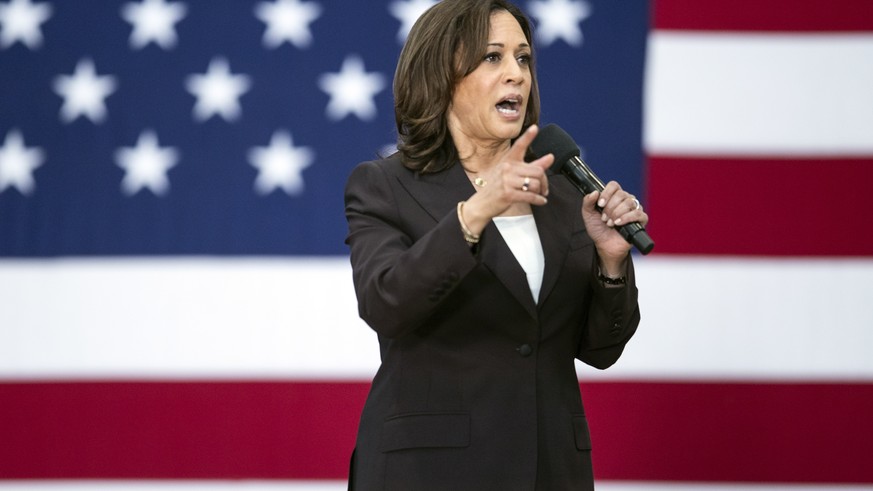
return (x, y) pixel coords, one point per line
(513, 72)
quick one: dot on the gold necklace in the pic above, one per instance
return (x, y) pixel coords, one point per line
(476, 180)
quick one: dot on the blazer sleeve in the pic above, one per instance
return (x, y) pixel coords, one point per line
(400, 274)
(613, 317)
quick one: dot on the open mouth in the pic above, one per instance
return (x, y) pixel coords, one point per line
(510, 106)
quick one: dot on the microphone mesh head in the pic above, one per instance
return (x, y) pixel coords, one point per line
(552, 139)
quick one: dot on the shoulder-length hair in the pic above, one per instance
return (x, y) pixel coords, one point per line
(445, 45)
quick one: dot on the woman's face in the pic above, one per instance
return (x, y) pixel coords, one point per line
(489, 104)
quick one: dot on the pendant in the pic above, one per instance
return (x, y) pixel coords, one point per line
(480, 182)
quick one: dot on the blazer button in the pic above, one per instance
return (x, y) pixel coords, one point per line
(524, 350)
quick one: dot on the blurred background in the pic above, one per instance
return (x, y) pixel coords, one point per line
(176, 307)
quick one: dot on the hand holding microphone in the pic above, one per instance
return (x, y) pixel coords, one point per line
(552, 139)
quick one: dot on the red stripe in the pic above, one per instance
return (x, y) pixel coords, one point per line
(769, 432)
(769, 15)
(771, 207)
(202, 430)
(285, 430)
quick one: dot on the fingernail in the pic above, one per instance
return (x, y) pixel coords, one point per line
(602, 202)
(609, 223)
(618, 222)
(603, 217)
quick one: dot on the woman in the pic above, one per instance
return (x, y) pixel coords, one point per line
(483, 276)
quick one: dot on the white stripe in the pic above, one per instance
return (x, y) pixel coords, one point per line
(708, 318)
(180, 318)
(297, 318)
(110, 485)
(761, 94)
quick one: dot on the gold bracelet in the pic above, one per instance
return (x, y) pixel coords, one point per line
(470, 237)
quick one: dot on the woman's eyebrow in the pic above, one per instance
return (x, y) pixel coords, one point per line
(501, 45)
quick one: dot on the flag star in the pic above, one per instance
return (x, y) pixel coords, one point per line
(217, 91)
(559, 19)
(18, 162)
(153, 21)
(280, 165)
(84, 93)
(351, 90)
(287, 20)
(20, 21)
(407, 12)
(146, 165)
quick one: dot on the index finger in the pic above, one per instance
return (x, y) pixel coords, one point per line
(519, 148)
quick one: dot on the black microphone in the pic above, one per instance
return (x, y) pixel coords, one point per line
(552, 139)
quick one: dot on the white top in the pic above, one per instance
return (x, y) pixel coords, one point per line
(520, 234)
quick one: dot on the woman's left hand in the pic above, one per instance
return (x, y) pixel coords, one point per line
(619, 208)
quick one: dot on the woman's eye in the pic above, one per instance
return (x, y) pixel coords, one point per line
(524, 59)
(492, 57)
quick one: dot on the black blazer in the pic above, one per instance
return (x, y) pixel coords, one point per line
(477, 389)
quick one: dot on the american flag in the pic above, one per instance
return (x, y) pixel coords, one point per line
(176, 308)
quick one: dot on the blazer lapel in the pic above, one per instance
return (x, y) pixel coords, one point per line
(439, 193)
(554, 230)
(500, 260)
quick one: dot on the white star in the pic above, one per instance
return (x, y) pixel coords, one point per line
(84, 93)
(351, 90)
(287, 20)
(20, 21)
(153, 21)
(18, 162)
(559, 19)
(280, 165)
(146, 165)
(218, 91)
(407, 12)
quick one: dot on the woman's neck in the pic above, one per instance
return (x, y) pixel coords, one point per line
(478, 158)
(478, 155)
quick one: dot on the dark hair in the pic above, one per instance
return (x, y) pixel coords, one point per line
(445, 45)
